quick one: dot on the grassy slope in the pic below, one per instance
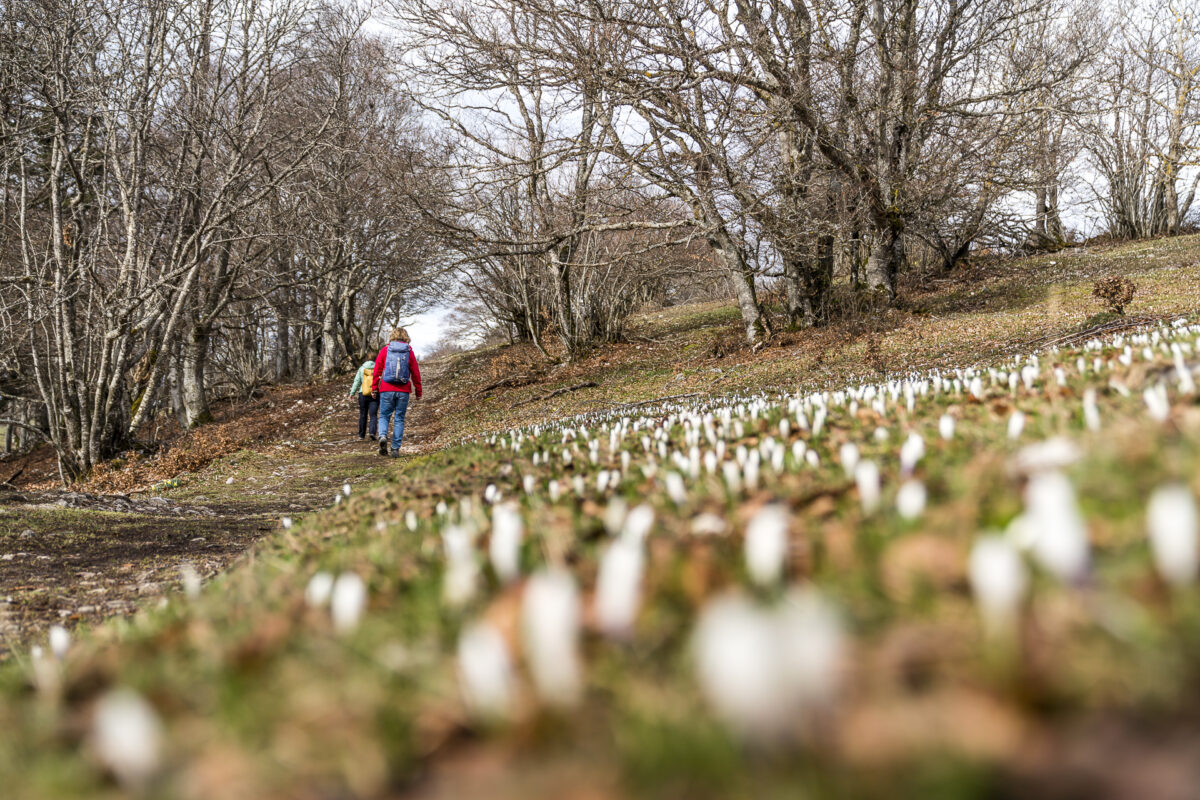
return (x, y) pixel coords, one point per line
(263, 700)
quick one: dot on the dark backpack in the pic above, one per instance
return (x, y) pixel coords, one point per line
(395, 368)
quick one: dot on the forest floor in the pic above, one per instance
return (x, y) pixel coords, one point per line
(261, 698)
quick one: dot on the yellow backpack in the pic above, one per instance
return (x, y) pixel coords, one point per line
(367, 372)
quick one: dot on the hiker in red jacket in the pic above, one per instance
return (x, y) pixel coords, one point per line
(395, 377)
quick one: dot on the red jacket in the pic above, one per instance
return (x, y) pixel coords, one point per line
(378, 385)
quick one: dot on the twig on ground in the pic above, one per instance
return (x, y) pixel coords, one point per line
(556, 393)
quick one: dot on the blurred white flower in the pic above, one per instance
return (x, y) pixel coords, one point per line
(910, 500)
(1157, 404)
(504, 547)
(946, 427)
(866, 478)
(618, 586)
(1091, 413)
(348, 601)
(1060, 541)
(675, 488)
(485, 671)
(550, 626)
(320, 587)
(1171, 522)
(708, 524)
(346, 489)
(127, 736)
(190, 580)
(60, 641)
(912, 451)
(999, 580)
(766, 544)
(762, 670)
(614, 515)
(848, 454)
(1050, 455)
(638, 523)
(1016, 424)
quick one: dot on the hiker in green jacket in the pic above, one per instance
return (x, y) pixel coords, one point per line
(368, 400)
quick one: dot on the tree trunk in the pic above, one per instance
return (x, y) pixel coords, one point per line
(887, 255)
(283, 342)
(191, 368)
(329, 340)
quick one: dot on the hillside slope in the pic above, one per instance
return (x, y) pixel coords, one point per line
(767, 584)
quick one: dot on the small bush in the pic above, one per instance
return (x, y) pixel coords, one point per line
(1115, 292)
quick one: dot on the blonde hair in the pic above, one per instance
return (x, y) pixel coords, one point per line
(400, 335)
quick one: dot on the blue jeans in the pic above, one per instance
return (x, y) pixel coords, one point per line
(392, 403)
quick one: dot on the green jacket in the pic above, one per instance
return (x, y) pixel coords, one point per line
(357, 386)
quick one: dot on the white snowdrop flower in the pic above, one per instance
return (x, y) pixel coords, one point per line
(625, 459)
(1187, 384)
(504, 547)
(127, 736)
(882, 434)
(528, 482)
(229, 480)
(976, 388)
(602, 479)
(910, 500)
(912, 451)
(710, 462)
(1021, 533)
(578, 485)
(735, 649)
(751, 471)
(337, 499)
(489, 493)
(485, 671)
(1157, 404)
(550, 626)
(286, 522)
(766, 544)
(1171, 522)
(614, 515)
(732, 476)
(1052, 454)
(813, 644)
(189, 579)
(812, 458)
(60, 641)
(777, 457)
(320, 587)
(1091, 413)
(1060, 541)
(441, 508)
(998, 579)
(410, 520)
(346, 489)
(554, 490)
(1016, 424)
(762, 669)
(1060, 376)
(866, 477)
(618, 587)
(675, 488)
(638, 523)
(708, 524)
(946, 427)
(848, 454)
(348, 601)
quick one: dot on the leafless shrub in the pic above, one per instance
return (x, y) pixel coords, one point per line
(1115, 292)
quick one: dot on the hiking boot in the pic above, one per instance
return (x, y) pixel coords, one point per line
(383, 448)
(395, 452)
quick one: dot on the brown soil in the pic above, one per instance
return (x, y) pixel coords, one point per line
(78, 557)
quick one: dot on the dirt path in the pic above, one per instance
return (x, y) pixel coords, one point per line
(75, 558)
